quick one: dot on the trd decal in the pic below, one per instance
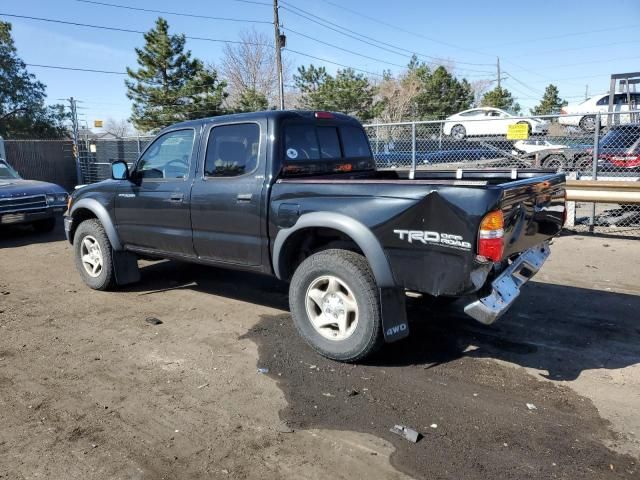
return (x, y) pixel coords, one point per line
(433, 238)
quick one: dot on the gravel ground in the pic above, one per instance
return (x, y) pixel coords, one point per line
(89, 389)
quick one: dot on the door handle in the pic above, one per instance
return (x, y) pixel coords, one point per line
(176, 197)
(244, 197)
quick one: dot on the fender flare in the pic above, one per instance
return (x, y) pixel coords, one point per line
(361, 235)
(101, 213)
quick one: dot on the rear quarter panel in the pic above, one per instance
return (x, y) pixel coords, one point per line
(418, 262)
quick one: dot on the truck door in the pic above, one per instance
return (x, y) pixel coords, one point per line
(226, 198)
(152, 211)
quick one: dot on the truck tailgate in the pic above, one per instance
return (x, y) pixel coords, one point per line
(534, 211)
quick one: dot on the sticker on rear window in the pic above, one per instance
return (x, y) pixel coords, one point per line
(292, 153)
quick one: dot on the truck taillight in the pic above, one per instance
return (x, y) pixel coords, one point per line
(491, 237)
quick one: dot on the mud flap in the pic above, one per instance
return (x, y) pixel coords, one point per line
(125, 267)
(394, 314)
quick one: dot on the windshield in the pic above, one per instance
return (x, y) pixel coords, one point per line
(7, 173)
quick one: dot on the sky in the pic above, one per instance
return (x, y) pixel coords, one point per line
(567, 43)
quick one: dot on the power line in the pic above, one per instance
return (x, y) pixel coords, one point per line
(367, 39)
(537, 38)
(334, 63)
(75, 69)
(401, 29)
(340, 48)
(167, 12)
(534, 90)
(125, 30)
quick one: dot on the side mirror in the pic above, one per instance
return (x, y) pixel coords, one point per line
(119, 170)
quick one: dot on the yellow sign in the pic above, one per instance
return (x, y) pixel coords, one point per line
(97, 123)
(519, 131)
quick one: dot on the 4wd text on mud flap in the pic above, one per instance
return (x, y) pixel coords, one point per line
(426, 237)
(396, 329)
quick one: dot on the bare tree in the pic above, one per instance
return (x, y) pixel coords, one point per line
(398, 95)
(480, 87)
(251, 66)
(119, 128)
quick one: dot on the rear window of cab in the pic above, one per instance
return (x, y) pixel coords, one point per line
(304, 142)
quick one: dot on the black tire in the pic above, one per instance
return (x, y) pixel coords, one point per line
(106, 279)
(588, 123)
(44, 226)
(584, 166)
(458, 132)
(352, 270)
(554, 161)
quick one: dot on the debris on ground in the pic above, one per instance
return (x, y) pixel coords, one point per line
(434, 425)
(352, 393)
(153, 321)
(531, 406)
(328, 395)
(263, 370)
(203, 385)
(408, 433)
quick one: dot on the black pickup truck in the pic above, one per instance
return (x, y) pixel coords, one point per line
(296, 195)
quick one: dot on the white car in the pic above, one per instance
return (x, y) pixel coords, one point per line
(488, 121)
(583, 114)
(535, 146)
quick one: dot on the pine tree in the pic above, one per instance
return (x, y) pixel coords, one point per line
(441, 94)
(23, 113)
(500, 98)
(348, 92)
(169, 86)
(551, 102)
(252, 101)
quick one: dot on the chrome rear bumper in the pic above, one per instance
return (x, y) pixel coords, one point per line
(506, 287)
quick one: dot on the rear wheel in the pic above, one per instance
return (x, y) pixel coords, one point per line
(554, 161)
(588, 123)
(458, 132)
(334, 303)
(44, 226)
(93, 255)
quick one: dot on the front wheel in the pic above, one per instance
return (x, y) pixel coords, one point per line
(335, 306)
(92, 251)
(458, 132)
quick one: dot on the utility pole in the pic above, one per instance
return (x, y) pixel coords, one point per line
(74, 130)
(498, 65)
(280, 40)
(586, 92)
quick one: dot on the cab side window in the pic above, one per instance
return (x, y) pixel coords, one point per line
(232, 150)
(168, 157)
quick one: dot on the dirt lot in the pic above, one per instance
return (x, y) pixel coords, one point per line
(90, 390)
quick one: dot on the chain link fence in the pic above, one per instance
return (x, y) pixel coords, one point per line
(95, 156)
(601, 146)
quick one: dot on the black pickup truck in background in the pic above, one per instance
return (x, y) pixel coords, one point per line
(296, 195)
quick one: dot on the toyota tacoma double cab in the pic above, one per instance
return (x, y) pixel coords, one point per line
(296, 195)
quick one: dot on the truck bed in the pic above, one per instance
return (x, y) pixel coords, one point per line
(444, 202)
